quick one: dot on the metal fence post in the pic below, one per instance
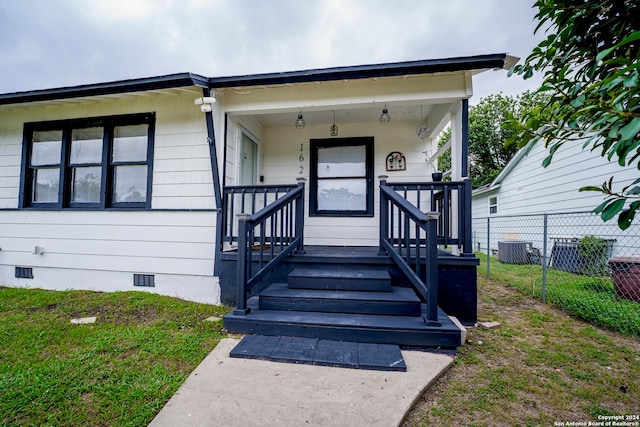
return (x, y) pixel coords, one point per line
(544, 259)
(488, 247)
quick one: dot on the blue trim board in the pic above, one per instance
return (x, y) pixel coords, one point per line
(313, 351)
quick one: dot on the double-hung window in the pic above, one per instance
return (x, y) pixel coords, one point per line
(493, 205)
(95, 163)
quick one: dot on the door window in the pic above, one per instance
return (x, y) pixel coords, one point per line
(342, 177)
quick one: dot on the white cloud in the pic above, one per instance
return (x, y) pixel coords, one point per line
(69, 42)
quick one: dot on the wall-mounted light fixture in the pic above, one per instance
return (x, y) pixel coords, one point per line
(385, 117)
(300, 121)
(334, 129)
(205, 103)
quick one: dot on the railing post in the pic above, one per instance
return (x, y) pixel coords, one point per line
(241, 279)
(300, 215)
(466, 219)
(384, 216)
(432, 270)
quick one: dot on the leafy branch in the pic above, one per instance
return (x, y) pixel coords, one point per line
(592, 78)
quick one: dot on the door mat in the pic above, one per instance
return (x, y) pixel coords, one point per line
(312, 351)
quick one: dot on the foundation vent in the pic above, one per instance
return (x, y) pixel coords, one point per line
(147, 280)
(24, 272)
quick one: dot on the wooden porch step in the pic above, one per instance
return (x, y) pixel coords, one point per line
(340, 280)
(399, 301)
(400, 330)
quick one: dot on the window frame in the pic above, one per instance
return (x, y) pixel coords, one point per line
(316, 144)
(107, 165)
(493, 207)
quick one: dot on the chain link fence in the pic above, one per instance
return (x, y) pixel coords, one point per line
(576, 261)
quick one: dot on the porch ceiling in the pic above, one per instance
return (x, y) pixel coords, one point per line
(346, 114)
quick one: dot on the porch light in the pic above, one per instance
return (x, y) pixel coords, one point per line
(334, 129)
(385, 117)
(300, 122)
(422, 130)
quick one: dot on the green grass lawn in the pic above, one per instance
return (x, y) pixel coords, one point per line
(540, 367)
(119, 371)
(591, 298)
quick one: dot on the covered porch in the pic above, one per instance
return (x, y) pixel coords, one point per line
(402, 291)
(343, 163)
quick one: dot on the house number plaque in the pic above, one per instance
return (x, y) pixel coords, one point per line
(301, 159)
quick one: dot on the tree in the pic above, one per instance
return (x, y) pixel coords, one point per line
(591, 76)
(490, 126)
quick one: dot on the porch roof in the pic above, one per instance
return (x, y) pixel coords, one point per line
(108, 88)
(430, 66)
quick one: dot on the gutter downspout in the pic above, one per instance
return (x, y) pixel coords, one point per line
(211, 139)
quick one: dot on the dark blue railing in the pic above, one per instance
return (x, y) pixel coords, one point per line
(266, 237)
(409, 236)
(247, 199)
(452, 200)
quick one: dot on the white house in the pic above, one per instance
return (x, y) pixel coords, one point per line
(524, 190)
(138, 184)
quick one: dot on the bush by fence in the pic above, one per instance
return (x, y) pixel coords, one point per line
(574, 260)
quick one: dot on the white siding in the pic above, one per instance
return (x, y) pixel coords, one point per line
(530, 188)
(480, 210)
(281, 165)
(10, 158)
(102, 249)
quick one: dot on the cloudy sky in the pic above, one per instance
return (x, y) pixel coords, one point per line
(53, 43)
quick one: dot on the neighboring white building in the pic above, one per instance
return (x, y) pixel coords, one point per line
(120, 184)
(525, 187)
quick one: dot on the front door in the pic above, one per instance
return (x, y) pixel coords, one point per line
(341, 181)
(248, 160)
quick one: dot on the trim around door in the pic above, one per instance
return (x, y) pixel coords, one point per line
(341, 177)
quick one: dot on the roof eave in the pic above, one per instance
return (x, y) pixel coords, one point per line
(429, 66)
(109, 88)
(485, 189)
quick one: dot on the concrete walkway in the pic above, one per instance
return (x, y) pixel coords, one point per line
(226, 392)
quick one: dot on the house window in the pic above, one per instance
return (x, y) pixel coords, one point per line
(493, 205)
(92, 163)
(341, 181)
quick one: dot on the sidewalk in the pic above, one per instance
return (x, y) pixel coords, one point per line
(225, 392)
